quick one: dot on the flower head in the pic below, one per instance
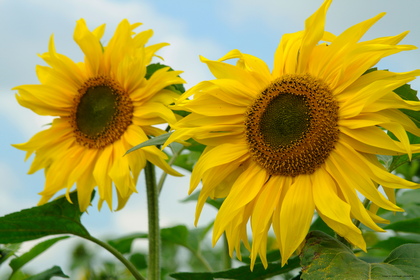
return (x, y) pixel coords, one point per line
(301, 138)
(103, 107)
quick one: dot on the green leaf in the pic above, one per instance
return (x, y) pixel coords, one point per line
(395, 241)
(139, 260)
(324, 257)
(407, 93)
(189, 239)
(8, 250)
(187, 161)
(38, 249)
(243, 272)
(176, 234)
(409, 197)
(56, 217)
(55, 271)
(410, 225)
(158, 140)
(123, 244)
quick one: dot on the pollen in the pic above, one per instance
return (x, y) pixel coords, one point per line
(101, 113)
(292, 126)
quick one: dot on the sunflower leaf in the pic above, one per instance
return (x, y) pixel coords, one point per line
(187, 161)
(56, 217)
(7, 251)
(54, 271)
(123, 244)
(158, 140)
(180, 235)
(407, 93)
(396, 241)
(323, 257)
(242, 273)
(38, 249)
(409, 226)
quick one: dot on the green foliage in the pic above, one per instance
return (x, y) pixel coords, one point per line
(158, 140)
(56, 217)
(410, 226)
(324, 257)
(38, 249)
(54, 271)
(243, 272)
(189, 158)
(7, 251)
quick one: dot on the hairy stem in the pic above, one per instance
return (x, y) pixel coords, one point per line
(164, 174)
(153, 215)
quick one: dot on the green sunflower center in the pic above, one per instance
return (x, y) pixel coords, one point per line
(292, 126)
(102, 112)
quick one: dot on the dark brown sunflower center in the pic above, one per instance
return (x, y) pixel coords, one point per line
(292, 127)
(102, 112)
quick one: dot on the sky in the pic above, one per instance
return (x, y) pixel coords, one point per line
(193, 28)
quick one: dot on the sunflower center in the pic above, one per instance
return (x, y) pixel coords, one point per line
(284, 120)
(102, 112)
(292, 126)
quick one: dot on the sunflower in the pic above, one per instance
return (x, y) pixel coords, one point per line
(301, 138)
(103, 107)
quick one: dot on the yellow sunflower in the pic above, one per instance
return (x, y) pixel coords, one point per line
(104, 106)
(299, 139)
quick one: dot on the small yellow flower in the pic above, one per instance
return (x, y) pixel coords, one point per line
(301, 138)
(104, 106)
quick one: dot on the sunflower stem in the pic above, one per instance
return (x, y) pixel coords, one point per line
(202, 260)
(164, 174)
(118, 255)
(227, 261)
(153, 215)
(365, 205)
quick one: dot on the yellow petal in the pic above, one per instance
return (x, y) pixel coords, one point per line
(219, 155)
(90, 45)
(328, 202)
(296, 215)
(243, 191)
(100, 173)
(357, 174)
(314, 31)
(351, 197)
(223, 70)
(265, 205)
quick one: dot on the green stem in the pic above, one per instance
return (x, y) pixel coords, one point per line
(164, 174)
(365, 205)
(118, 255)
(227, 261)
(202, 260)
(153, 215)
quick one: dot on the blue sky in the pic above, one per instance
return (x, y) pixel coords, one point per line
(193, 28)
